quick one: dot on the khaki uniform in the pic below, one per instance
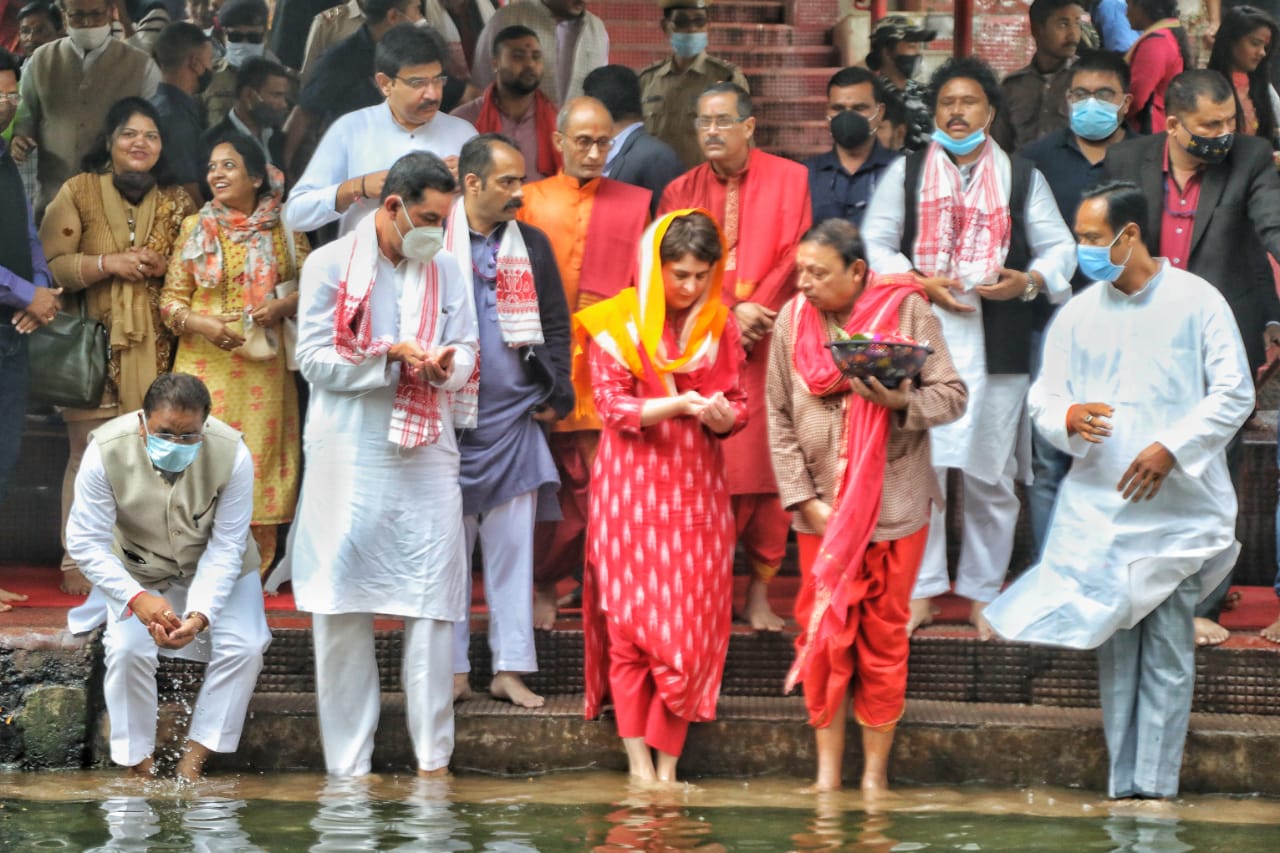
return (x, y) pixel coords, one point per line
(327, 29)
(670, 100)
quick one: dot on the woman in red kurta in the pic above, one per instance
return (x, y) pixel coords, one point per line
(664, 373)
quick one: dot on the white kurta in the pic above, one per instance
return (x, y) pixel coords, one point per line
(982, 440)
(1169, 359)
(360, 143)
(379, 527)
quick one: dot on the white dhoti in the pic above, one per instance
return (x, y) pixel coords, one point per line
(506, 544)
(233, 647)
(350, 699)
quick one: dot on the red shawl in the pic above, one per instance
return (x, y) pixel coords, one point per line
(838, 571)
(544, 119)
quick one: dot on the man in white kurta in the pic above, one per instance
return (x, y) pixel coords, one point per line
(1144, 383)
(1037, 257)
(343, 181)
(379, 525)
(160, 526)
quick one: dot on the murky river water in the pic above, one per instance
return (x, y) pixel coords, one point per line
(86, 811)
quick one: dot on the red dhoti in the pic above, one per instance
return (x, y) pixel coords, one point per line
(559, 546)
(874, 635)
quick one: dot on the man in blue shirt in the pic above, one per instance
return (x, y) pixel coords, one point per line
(27, 301)
(1071, 162)
(842, 180)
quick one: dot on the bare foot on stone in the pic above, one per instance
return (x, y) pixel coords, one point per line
(462, 686)
(1271, 632)
(544, 608)
(758, 611)
(74, 583)
(922, 613)
(1210, 633)
(978, 618)
(6, 597)
(509, 687)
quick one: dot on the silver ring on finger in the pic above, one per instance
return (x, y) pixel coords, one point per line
(1088, 419)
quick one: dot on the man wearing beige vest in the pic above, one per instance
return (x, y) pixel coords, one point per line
(160, 525)
(67, 87)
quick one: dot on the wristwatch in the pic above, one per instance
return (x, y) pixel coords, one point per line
(203, 618)
(1033, 289)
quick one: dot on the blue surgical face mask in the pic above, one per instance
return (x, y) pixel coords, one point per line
(1093, 119)
(1095, 261)
(169, 455)
(688, 45)
(959, 147)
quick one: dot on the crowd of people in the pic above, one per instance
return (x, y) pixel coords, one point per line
(415, 277)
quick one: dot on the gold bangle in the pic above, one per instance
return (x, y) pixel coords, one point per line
(363, 193)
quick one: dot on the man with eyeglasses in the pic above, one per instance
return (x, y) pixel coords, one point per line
(344, 178)
(670, 88)
(594, 224)
(346, 78)
(38, 24)
(27, 299)
(842, 180)
(1071, 161)
(574, 43)
(1032, 101)
(67, 87)
(243, 24)
(160, 526)
(761, 203)
(514, 105)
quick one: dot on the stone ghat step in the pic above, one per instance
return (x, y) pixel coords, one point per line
(937, 742)
(725, 12)
(785, 56)
(948, 663)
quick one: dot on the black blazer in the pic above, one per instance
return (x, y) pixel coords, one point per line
(646, 161)
(548, 363)
(1237, 223)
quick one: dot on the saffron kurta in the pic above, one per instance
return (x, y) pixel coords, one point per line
(660, 544)
(258, 398)
(379, 526)
(1170, 360)
(763, 219)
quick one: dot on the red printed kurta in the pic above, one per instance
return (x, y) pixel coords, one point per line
(660, 538)
(772, 213)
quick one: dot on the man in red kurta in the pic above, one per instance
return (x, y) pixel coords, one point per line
(594, 224)
(761, 203)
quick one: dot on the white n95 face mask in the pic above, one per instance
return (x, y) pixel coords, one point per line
(89, 38)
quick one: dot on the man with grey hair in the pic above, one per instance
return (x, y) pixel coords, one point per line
(595, 224)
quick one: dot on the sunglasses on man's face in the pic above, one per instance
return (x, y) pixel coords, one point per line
(252, 37)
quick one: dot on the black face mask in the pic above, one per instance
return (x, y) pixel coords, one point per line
(850, 129)
(267, 116)
(203, 81)
(133, 185)
(1210, 149)
(908, 65)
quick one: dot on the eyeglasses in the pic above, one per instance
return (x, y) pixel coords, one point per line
(87, 19)
(584, 144)
(1075, 96)
(250, 36)
(719, 122)
(12, 97)
(185, 438)
(418, 84)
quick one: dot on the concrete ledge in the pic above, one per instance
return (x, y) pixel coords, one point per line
(938, 743)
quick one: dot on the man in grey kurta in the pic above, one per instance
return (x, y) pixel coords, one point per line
(507, 472)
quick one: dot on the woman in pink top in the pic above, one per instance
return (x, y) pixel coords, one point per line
(1242, 54)
(1159, 55)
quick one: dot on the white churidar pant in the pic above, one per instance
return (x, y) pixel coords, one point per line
(236, 642)
(506, 544)
(349, 700)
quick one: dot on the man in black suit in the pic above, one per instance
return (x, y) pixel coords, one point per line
(1214, 200)
(637, 157)
(262, 105)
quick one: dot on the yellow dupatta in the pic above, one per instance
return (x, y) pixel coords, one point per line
(632, 322)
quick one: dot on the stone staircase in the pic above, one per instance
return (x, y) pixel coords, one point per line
(783, 47)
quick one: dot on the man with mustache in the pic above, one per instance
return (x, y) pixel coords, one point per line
(344, 179)
(595, 224)
(762, 205)
(514, 106)
(574, 44)
(1034, 98)
(507, 472)
(984, 235)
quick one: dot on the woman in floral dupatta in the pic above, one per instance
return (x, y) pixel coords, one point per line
(664, 373)
(853, 464)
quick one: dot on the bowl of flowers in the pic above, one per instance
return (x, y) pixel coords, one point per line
(888, 356)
